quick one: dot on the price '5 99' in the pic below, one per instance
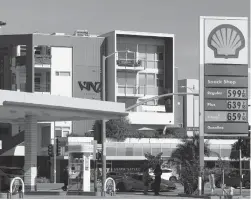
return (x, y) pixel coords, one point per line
(237, 93)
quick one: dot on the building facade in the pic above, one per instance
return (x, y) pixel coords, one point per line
(70, 65)
(144, 72)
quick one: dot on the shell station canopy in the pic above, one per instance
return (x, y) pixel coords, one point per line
(14, 106)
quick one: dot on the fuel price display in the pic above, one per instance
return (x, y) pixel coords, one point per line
(237, 105)
(236, 93)
(237, 116)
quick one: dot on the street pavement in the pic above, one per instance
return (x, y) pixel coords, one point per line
(126, 195)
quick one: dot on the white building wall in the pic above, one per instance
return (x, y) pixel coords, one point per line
(61, 78)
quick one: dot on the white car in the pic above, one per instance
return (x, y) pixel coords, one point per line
(167, 174)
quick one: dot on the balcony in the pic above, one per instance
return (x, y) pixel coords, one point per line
(42, 60)
(44, 88)
(130, 65)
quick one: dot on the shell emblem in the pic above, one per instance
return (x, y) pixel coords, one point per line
(226, 41)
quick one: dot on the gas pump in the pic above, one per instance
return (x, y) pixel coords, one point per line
(80, 153)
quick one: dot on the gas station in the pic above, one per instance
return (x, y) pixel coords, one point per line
(32, 108)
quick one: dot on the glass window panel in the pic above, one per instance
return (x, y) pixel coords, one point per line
(121, 150)
(160, 64)
(150, 64)
(142, 51)
(131, 79)
(146, 148)
(129, 150)
(121, 47)
(137, 150)
(151, 51)
(111, 151)
(142, 79)
(225, 152)
(159, 56)
(160, 49)
(167, 151)
(156, 151)
(121, 89)
(150, 79)
(121, 78)
(131, 56)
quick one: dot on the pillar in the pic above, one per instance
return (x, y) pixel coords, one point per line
(30, 159)
(86, 172)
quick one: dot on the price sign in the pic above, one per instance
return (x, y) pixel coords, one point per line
(237, 116)
(237, 93)
(237, 105)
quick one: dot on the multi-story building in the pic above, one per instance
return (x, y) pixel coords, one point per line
(147, 70)
(70, 65)
(49, 64)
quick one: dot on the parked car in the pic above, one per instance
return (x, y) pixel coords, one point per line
(7, 174)
(233, 180)
(134, 182)
(167, 174)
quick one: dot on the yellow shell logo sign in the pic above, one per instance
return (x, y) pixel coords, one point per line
(226, 41)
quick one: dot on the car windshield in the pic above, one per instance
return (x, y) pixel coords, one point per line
(12, 171)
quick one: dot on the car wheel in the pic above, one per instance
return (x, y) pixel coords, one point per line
(173, 179)
(218, 184)
(247, 184)
(121, 187)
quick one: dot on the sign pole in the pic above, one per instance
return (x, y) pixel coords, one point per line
(240, 167)
(201, 105)
(103, 130)
(55, 160)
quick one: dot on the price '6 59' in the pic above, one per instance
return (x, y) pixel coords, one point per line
(237, 116)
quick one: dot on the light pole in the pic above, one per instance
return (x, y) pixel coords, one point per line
(192, 90)
(1, 25)
(103, 134)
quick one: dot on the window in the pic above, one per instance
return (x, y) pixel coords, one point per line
(142, 52)
(62, 73)
(150, 79)
(125, 55)
(151, 51)
(160, 80)
(46, 136)
(142, 79)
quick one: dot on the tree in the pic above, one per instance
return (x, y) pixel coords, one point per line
(118, 129)
(245, 149)
(152, 160)
(186, 155)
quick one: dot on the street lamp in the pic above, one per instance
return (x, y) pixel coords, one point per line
(103, 137)
(192, 90)
(2, 24)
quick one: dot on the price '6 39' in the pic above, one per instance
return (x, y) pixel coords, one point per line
(237, 116)
(237, 105)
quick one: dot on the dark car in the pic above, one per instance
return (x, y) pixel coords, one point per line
(233, 180)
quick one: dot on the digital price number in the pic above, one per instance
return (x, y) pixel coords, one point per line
(237, 105)
(237, 93)
(237, 116)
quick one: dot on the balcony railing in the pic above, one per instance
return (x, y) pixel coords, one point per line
(139, 90)
(42, 87)
(42, 59)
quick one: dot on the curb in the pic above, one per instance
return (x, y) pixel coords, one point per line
(195, 196)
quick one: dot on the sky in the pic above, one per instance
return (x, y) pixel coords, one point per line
(179, 17)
